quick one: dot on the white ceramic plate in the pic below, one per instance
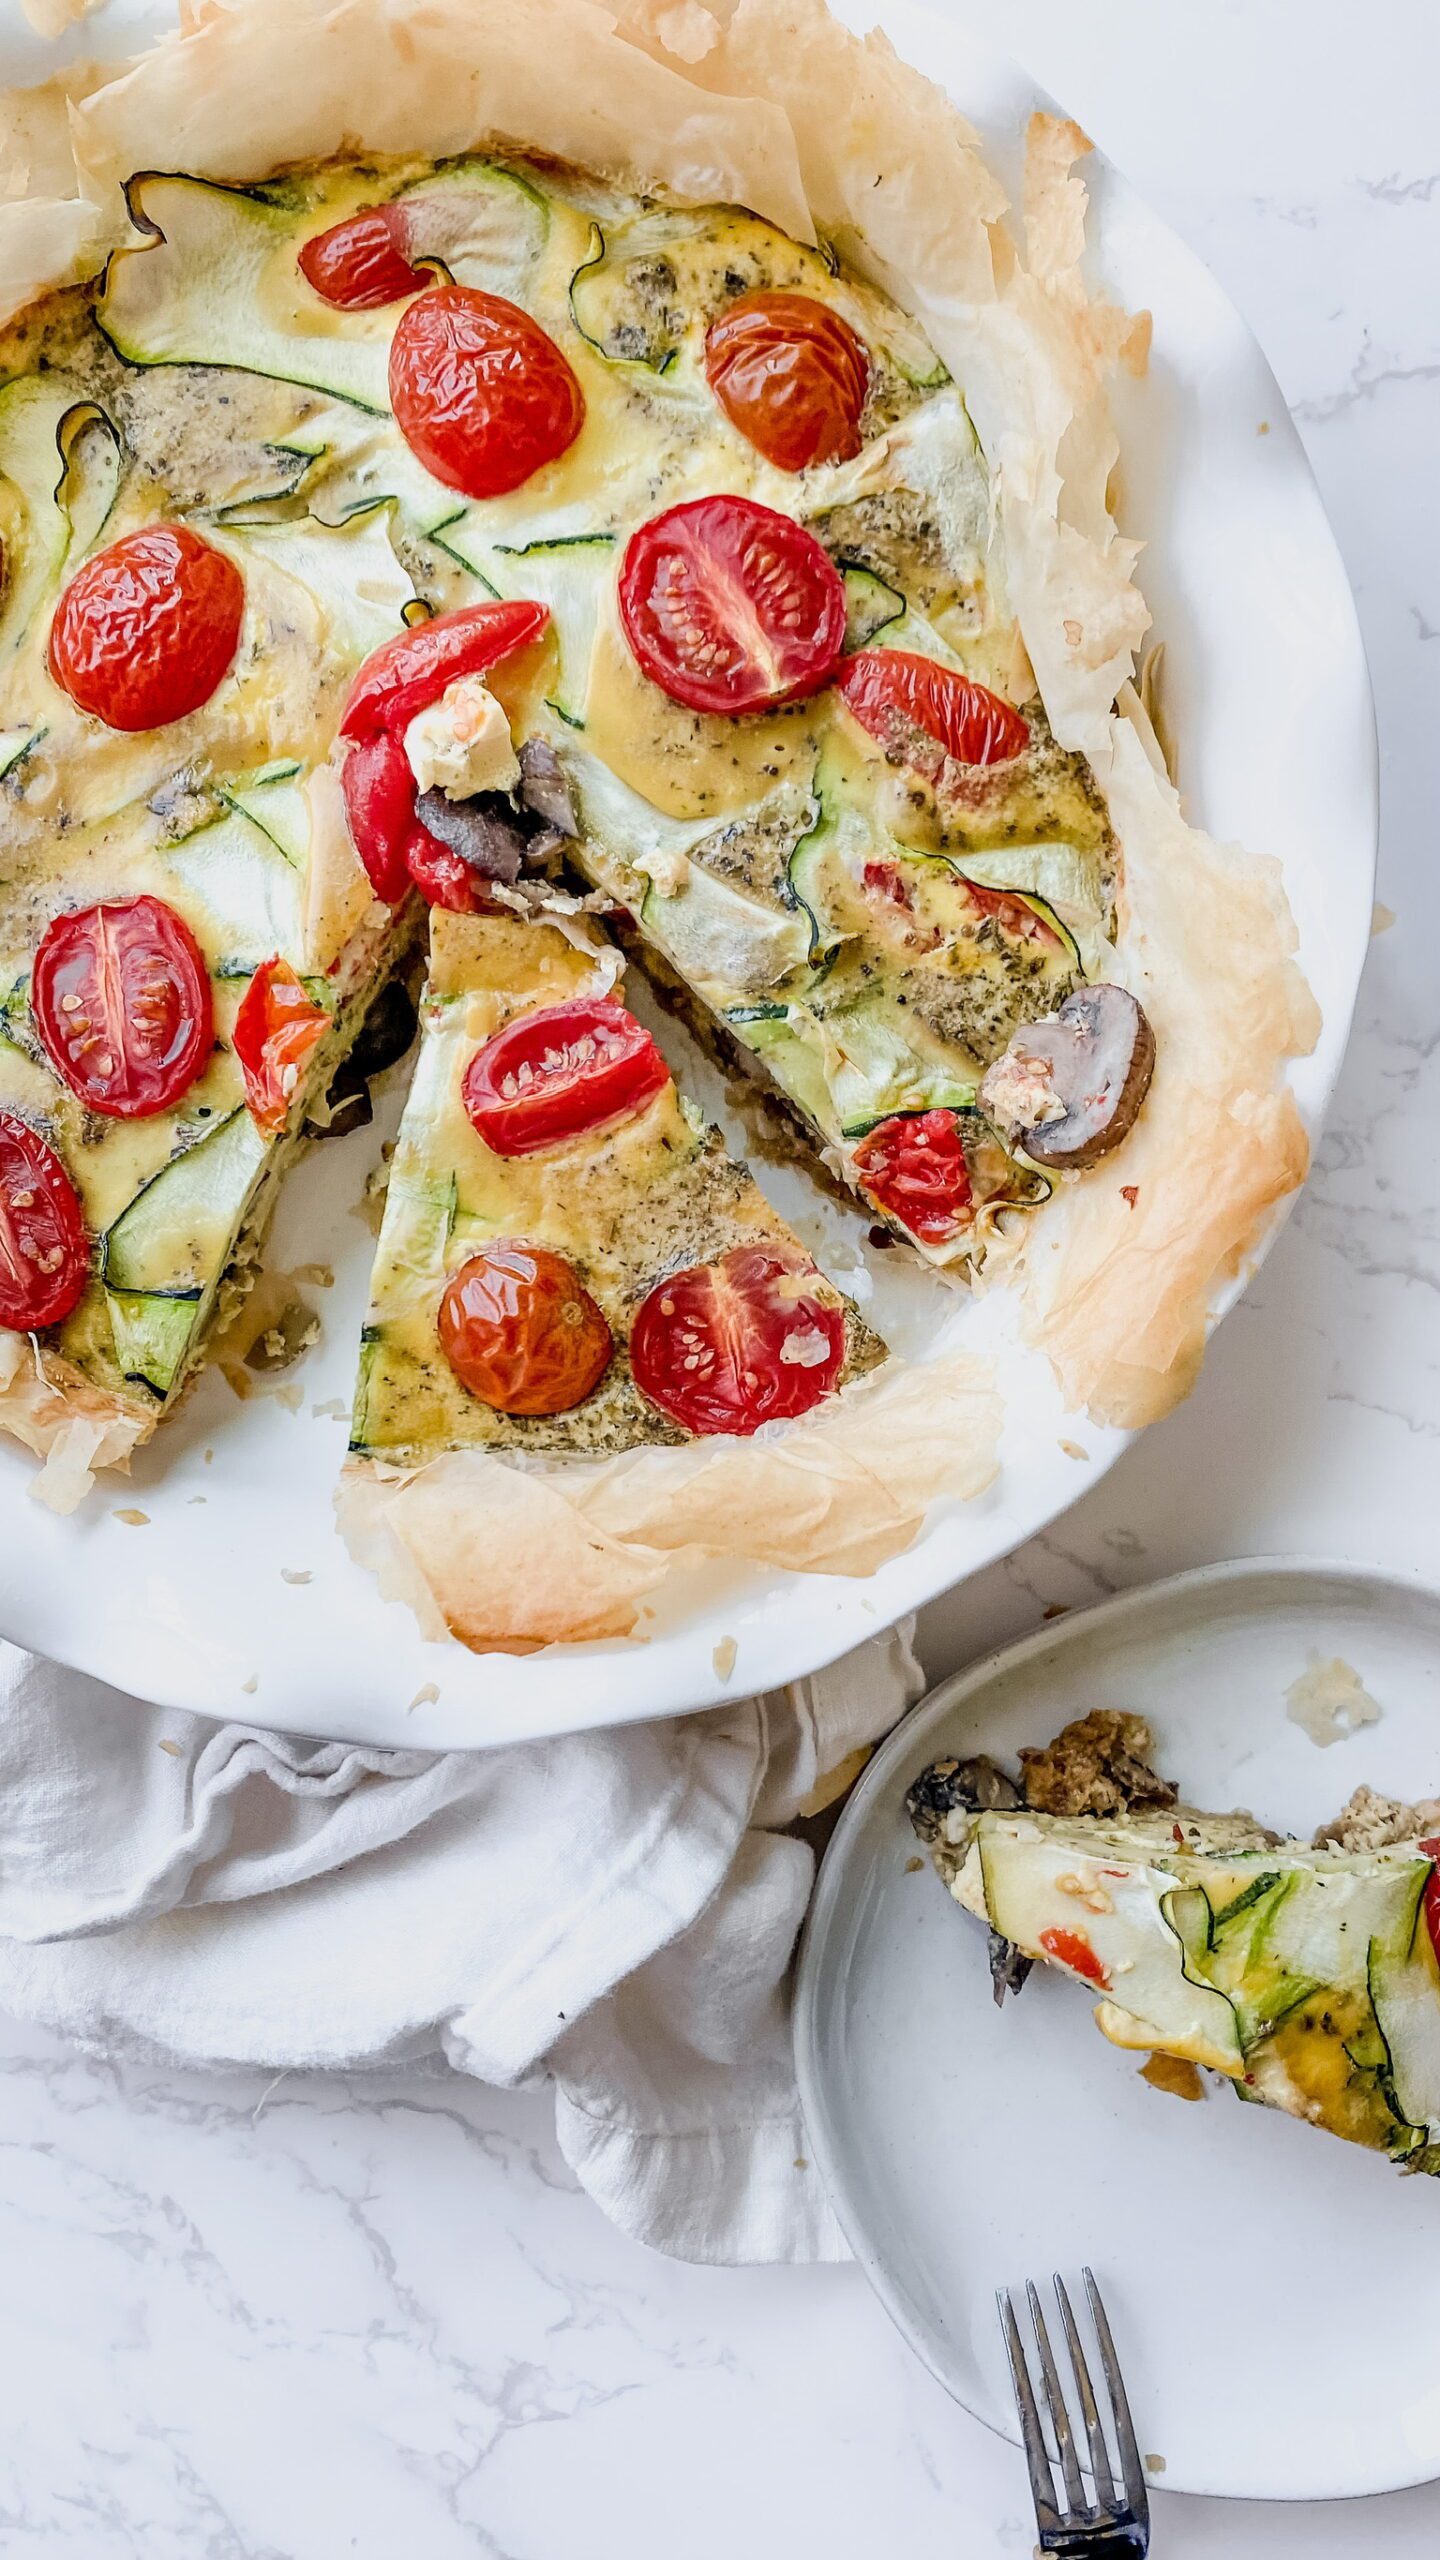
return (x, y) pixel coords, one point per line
(1246, 584)
(1272, 2290)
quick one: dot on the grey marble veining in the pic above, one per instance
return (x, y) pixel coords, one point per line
(294, 2320)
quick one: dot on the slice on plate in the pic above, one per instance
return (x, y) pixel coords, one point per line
(592, 1343)
(1304, 1973)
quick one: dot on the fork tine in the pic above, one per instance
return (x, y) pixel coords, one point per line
(1094, 2432)
(1059, 2414)
(1042, 2486)
(1131, 2467)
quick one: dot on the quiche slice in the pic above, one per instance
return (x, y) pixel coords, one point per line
(1304, 1973)
(593, 1347)
(569, 1259)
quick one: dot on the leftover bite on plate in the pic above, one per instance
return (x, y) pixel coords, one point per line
(539, 506)
(1304, 1973)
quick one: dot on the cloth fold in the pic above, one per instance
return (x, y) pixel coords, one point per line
(614, 1913)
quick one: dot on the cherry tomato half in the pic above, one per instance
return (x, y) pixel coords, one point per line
(359, 264)
(756, 1337)
(480, 391)
(379, 790)
(914, 1167)
(44, 1253)
(276, 1028)
(145, 631)
(729, 606)
(121, 996)
(893, 694)
(522, 1332)
(408, 673)
(558, 1071)
(791, 375)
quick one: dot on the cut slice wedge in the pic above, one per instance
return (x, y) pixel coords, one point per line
(647, 1194)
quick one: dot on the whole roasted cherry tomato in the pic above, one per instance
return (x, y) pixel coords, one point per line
(145, 631)
(791, 375)
(360, 263)
(895, 694)
(276, 1028)
(121, 995)
(756, 1337)
(480, 391)
(1073, 1948)
(522, 1332)
(559, 1070)
(379, 790)
(914, 1167)
(44, 1254)
(729, 606)
(406, 674)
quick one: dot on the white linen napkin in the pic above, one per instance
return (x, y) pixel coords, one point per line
(615, 1912)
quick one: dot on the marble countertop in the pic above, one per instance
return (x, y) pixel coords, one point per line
(316, 2319)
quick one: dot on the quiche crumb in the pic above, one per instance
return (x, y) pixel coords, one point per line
(134, 1519)
(723, 1657)
(425, 1697)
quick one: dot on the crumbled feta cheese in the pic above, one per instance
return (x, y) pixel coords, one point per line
(806, 1348)
(669, 871)
(461, 744)
(1017, 1092)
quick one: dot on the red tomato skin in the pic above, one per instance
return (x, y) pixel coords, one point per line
(1073, 1948)
(379, 790)
(357, 265)
(106, 980)
(44, 1250)
(1431, 1849)
(481, 393)
(147, 629)
(894, 692)
(706, 1346)
(521, 1331)
(441, 876)
(791, 375)
(276, 1028)
(914, 1167)
(605, 1067)
(408, 673)
(764, 597)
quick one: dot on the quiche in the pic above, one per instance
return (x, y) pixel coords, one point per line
(1305, 1974)
(561, 464)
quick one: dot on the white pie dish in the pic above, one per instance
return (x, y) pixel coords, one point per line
(191, 1604)
(1251, 2266)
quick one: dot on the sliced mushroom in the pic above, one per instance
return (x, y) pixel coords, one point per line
(1067, 1090)
(485, 832)
(545, 787)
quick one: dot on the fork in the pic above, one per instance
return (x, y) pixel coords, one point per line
(1110, 2522)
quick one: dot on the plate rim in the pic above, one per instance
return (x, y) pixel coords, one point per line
(826, 1911)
